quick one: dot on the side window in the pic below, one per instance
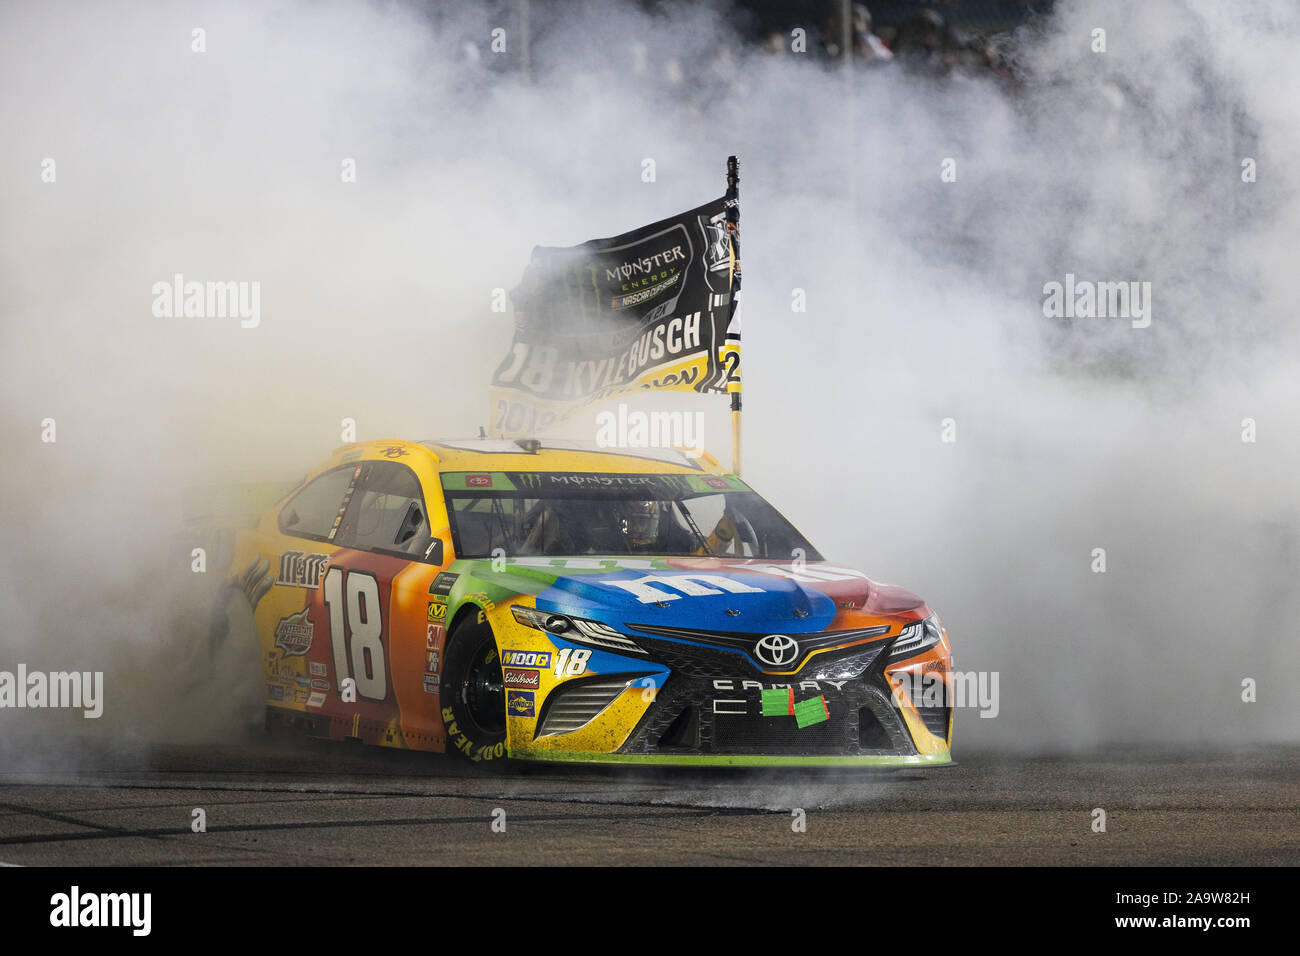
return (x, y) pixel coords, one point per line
(387, 513)
(311, 512)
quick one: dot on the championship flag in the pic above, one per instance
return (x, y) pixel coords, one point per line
(652, 309)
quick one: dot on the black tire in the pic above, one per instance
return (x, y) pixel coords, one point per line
(473, 693)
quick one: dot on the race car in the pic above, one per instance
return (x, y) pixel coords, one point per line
(555, 601)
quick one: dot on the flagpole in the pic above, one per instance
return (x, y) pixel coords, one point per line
(733, 229)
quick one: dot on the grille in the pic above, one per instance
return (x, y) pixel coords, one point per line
(577, 704)
(779, 735)
(694, 660)
(745, 642)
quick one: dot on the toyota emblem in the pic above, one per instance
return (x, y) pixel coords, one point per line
(776, 649)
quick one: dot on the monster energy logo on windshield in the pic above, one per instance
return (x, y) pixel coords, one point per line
(655, 486)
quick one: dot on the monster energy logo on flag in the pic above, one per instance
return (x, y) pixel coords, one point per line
(650, 309)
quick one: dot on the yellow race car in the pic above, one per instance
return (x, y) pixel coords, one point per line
(513, 599)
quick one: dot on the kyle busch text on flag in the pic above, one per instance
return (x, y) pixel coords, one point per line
(650, 309)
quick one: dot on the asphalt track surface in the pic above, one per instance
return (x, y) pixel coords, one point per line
(319, 803)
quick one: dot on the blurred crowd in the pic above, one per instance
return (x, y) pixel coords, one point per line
(911, 35)
(923, 41)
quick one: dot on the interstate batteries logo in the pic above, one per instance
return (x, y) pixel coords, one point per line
(294, 634)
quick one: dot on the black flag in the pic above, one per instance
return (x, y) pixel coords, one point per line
(650, 309)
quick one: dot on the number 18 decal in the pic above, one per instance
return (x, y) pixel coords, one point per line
(571, 661)
(352, 600)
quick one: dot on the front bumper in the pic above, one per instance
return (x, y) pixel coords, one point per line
(705, 709)
(737, 760)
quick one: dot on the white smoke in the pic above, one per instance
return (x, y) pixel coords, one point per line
(924, 302)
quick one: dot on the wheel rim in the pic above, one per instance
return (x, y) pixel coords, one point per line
(483, 690)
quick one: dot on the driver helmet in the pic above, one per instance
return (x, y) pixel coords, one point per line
(640, 521)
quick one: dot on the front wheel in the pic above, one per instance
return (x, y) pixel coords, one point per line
(473, 693)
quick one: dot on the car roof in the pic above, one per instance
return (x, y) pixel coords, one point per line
(506, 454)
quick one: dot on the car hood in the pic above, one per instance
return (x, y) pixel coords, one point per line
(724, 594)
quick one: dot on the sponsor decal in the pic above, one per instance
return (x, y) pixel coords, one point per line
(540, 659)
(431, 662)
(316, 699)
(319, 684)
(275, 692)
(431, 683)
(442, 584)
(437, 612)
(343, 506)
(433, 638)
(521, 703)
(481, 598)
(393, 451)
(301, 570)
(547, 479)
(649, 589)
(294, 634)
(316, 668)
(302, 681)
(286, 675)
(719, 483)
(524, 677)
(478, 481)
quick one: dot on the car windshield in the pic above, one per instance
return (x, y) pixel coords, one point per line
(532, 513)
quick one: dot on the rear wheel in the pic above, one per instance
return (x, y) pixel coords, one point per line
(473, 693)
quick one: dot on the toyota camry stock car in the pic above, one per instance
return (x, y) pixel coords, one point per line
(513, 599)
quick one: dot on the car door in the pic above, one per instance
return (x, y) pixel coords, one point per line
(372, 613)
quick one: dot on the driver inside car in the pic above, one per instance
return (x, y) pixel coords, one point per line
(645, 528)
(720, 538)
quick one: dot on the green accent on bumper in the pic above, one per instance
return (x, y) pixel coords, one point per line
(735, 760)
(777, 702)
(810, 711)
